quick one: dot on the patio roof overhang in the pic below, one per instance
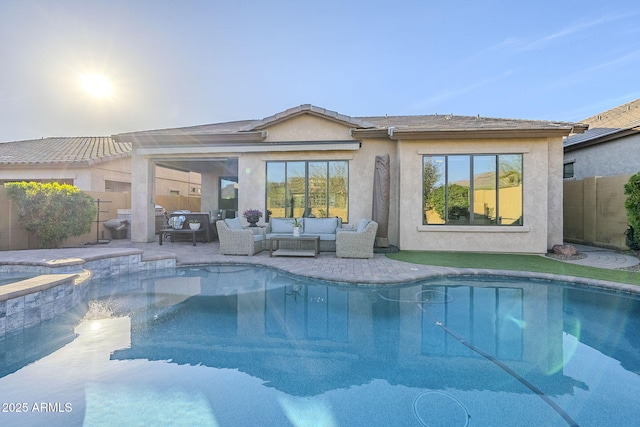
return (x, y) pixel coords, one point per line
(215, 150)
(153, 139)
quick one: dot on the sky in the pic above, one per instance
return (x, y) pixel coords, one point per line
(183, 63)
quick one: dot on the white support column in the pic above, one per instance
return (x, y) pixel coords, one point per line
(143, 205)
(209, 193)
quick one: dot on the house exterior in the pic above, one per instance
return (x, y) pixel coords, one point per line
(456, 183)
(597, 165)
(603, 152)
(90, 163)
(610, 147)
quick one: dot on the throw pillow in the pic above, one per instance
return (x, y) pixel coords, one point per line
(281, 225)
(234, 223)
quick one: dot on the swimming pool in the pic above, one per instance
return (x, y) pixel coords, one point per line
(247, 346)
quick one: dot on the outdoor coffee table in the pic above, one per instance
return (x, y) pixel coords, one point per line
(171, 232)
(299, 251)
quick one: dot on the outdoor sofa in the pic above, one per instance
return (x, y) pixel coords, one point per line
(238, 240)
(326, 228)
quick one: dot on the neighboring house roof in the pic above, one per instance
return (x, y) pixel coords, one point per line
(79, 150)
(622, 116)
(600, 135)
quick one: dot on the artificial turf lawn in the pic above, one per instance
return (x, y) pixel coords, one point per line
(532, 263)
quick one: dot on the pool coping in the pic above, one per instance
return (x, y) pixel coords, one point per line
(435, 272)
(58, 284)
(111, 263)
(22, 304)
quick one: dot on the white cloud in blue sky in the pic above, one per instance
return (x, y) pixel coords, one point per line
(196, 62)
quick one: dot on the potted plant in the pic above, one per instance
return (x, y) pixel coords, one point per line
(194, 224)
(297, 227)
(252, 216)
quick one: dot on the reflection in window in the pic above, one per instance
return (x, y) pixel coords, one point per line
(308, 189)
(488, 318)
(304, 312)
(472, 189)
(228, 194)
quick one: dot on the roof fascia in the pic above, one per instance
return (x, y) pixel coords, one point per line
(195, 139)
(479, 133)
(430, 134)
(216, 150)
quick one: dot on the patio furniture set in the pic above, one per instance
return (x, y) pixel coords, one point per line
(313, 235)
(181, 227)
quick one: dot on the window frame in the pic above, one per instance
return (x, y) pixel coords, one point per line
(307, 192)
(445, 182)
(571, 163)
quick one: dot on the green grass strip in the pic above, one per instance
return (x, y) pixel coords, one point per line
(533, 263)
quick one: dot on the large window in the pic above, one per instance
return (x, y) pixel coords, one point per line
(472, 189)
(308, 189)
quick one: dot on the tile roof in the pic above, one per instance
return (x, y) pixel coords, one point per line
(87, 150)
(621, 116)
(309, 109)
(424, 122)
(453, 122)
(217, 128)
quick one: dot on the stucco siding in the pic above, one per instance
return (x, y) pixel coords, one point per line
(555, 219)
(252, 178)
(307, 128)
(532, 237)
(618, 157)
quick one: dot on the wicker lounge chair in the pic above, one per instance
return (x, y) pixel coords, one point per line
(359, 243)
(236, 240)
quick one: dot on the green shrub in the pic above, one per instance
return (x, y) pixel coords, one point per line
(632, 204)
(458, 201)
(52, 211)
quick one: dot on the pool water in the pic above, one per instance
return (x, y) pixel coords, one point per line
(245, 346)
(6, 278)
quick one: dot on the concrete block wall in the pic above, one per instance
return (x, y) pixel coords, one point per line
(594, 211)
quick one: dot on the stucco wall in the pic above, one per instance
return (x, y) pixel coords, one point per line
(93, 177)
(307, 128)
(542, 189)
(169, 181)
(252, 166)
(555, 220)
(618, 157)
(532, 237)
(594, 211)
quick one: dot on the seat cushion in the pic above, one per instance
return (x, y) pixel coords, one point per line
(234, 223)
(320, 225)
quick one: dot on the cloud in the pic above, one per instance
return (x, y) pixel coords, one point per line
(522, 44)
(446, 95)
(591, 74)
